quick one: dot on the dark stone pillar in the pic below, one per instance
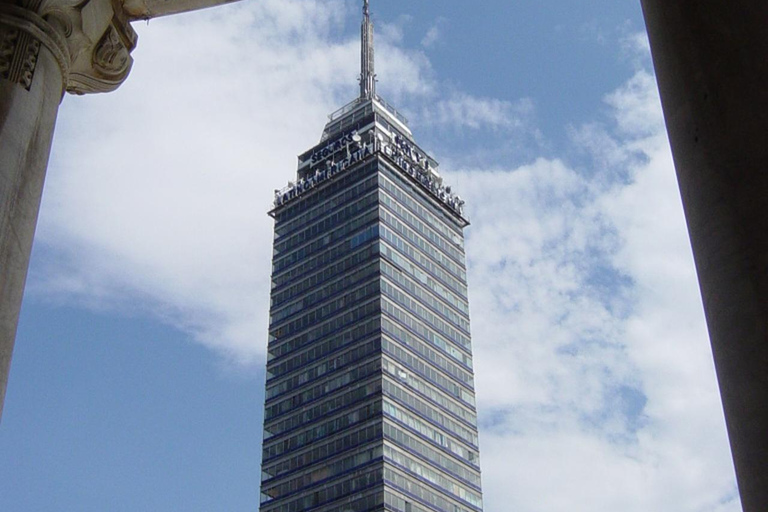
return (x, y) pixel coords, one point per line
(711, 60)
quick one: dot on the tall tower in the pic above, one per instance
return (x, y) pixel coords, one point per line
(370, 401)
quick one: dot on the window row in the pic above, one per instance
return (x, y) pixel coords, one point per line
(447, 247)
(429, 295)
(398, 189)
(429, 391)
(319, 262)
(319, 278)
(428, 317)
(370, 503)
(428, 474)
(430, 413)
(416, 364)
(428, 431)
(436, 378)
(314, 316)
(410, 321)
(436, 457)
(324, 472)
(290, 403)
(308, 202)
(399, 504)
(328, 428)
(399, 251)
(316, 372)
(368, 234)
(423, 353)
(329, 493)
(276, 350)
(421, 347)
(320, 350)
(310, 414)
(331, 203)
(280, 263)
(423, 245)
(428, 372)
(326, 291)
(325, 225)
(323, 451)
(416, 489)
(413, 289)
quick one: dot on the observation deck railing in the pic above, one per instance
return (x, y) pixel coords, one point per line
(352, 105)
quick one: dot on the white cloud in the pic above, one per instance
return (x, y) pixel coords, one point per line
(160, 203)
(393, 31)
(463, 111)
(431, 37)
(636, 47)
(594, 375)
(157, 193)
(434, 34)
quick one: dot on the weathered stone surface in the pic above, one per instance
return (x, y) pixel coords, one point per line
(711, 62)
(145, 9)
(31, 87)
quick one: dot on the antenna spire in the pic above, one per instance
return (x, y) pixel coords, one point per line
(367, 75)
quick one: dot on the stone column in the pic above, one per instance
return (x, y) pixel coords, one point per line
(46, 47)
(711, 61)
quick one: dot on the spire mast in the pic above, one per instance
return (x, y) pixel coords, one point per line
(367, 75)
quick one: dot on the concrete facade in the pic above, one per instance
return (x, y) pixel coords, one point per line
(711, 61)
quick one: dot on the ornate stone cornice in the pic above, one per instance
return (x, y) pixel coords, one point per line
(146, 9)
(100, 41)
(91, 40)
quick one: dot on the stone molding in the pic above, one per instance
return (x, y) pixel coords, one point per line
(92, 41)
(18, 56)
(146, 9)
(22, 33)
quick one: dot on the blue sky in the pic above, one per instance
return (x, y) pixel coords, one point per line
(137, 379)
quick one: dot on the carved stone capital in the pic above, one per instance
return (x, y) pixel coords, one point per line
(23, 33)
(99, 39)
(92, 41)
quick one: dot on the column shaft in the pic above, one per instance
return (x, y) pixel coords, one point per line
(31, 88)
(711, 61)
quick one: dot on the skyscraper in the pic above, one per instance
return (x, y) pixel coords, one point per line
(370, 394)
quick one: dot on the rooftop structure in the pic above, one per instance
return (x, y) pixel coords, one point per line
(370, 400)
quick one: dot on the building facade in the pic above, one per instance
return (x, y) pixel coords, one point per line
(370, 394)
